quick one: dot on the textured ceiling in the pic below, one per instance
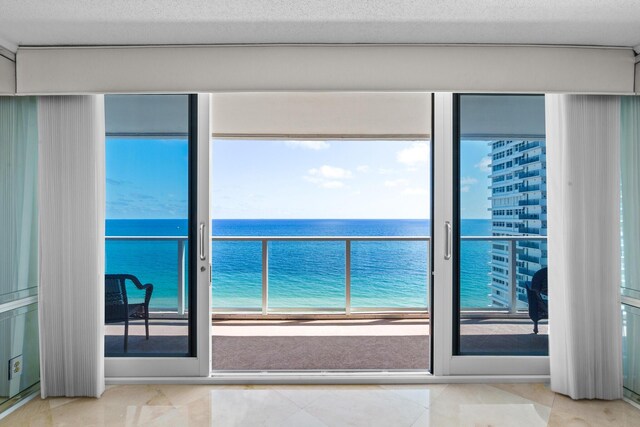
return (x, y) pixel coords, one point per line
(127, 22)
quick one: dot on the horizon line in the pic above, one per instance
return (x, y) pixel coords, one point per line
(286, 219)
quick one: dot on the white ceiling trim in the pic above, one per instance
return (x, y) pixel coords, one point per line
(255, 68)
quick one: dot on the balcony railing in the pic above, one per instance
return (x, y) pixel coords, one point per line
(528, 230)
(526, 271)
(529, 202)
(531, 245)
(528, 160)
(529, 216)
(531, 258)
(530, 174)
(509, 243)
(528, 188)
(529, 146)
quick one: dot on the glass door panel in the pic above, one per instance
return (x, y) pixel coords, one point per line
(147, 229)
(156, 238)
(500, 290)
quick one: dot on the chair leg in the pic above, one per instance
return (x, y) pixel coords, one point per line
(146, 320)
(126, 335)
(535, 326)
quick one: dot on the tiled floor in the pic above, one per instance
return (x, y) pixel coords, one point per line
(512, 405)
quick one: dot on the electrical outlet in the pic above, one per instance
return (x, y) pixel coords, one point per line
(15, 367)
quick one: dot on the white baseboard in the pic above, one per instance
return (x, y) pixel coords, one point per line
(330, 378)
(19, 405)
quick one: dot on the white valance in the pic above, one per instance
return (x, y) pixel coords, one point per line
(256, 68)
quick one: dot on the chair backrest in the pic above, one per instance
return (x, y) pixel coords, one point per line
(115, 298)
(539, 282)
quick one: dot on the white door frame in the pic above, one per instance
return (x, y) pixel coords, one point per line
(445, 364)
(200, 364)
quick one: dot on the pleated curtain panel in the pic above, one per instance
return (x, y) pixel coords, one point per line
(583, 184)
(72, 219)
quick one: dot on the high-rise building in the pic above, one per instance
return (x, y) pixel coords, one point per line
(518, 208)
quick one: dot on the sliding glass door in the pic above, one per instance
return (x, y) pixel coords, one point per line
(157, 252)
(429, 249)
(494, 235)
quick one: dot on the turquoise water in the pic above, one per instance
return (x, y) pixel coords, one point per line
(302, 274)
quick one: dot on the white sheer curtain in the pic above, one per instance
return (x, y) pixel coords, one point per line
(583, 184)
(72, 209)
(630, 161)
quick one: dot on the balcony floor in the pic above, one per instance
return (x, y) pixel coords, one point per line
(330, 344)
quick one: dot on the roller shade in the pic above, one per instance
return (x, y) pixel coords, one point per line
(257, 68)
(7, 76)
(146, 115)
(322, 115)
(505, 116)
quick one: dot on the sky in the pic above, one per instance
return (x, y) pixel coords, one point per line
(268, 179)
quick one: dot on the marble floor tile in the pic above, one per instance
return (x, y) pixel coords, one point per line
(371, 407)
(435, 405)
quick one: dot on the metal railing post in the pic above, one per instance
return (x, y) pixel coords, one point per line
(181, 275)
(347, 279)
(513, 276)
(265, 277)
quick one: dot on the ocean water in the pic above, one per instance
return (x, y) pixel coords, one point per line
(301, 274)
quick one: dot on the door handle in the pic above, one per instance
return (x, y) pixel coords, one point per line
(448, 240)
(202, 239)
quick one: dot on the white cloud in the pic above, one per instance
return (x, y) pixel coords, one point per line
(308, 145)
(363, 168)
(330, 172)
(396, 182)
(326, 176)
(312, 179)
(416, 154)
(485, 164)
(386, 171)
(415, 191)
(465, 188)
(467, 180)
(332, 184)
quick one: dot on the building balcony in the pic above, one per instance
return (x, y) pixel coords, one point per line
(529, 146)
(529, 230)
(531, 174)
(529, 188)
(533, 258)
(526, 272)
(531, 159)
(530, 245)
(529, 216)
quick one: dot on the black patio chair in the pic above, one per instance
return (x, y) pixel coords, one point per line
(117, 307)
(537, 296)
